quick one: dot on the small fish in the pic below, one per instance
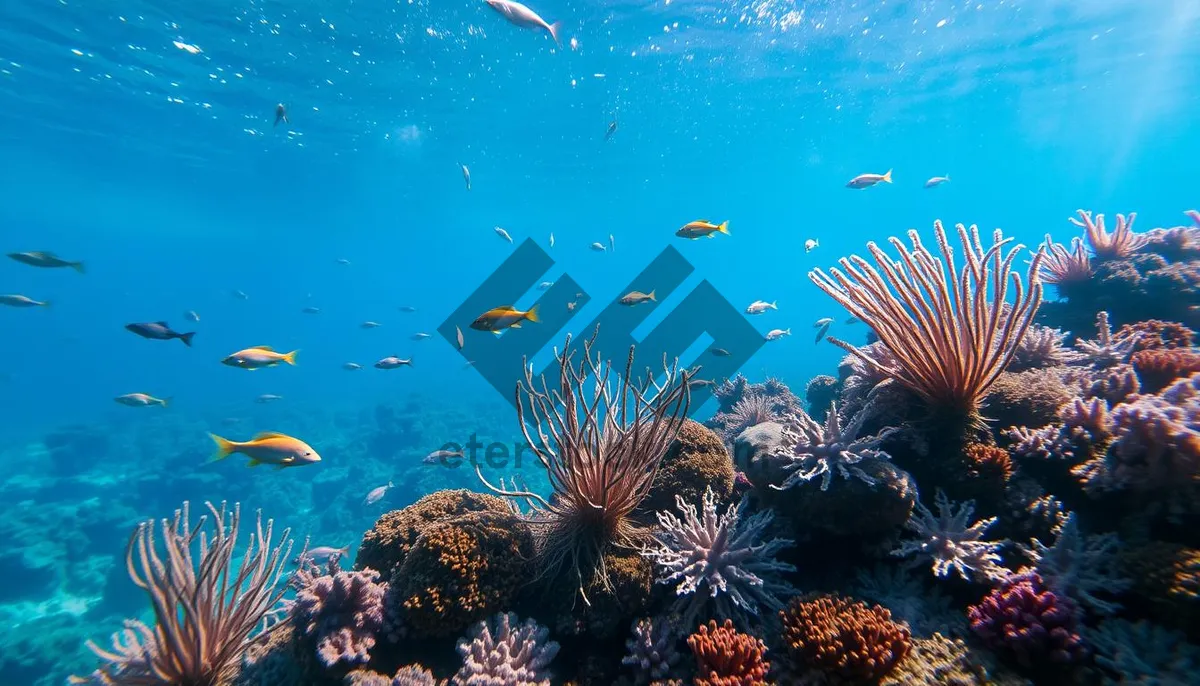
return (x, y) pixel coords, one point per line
(343, 261)
(45, 259)
(377, 494)
(503, 234)
(937, 181)
(22, 301)
(551, 239)
(701, 229)
(393, 362)
(520, 15)
(822, 325)
(545, 285)
(702, 383)
(320, 554)
(572, 305)
(351, 366)
(268, 447)
(612, 243)
(267, 398)
(241, 295)
(258, 357)
(141, 400)
(868, 180)
(720, 352)
(853, 320)
(160, 331)
(500, 318)
(637, 297)
(811, 244)
(281, 115)
(419, 336)
(466, 175)
(441, 455)
(776, 334)
(191, 316)
(310, 310)
(599, 247)
(369, 325)
(469, 364)
(612, 128)
(760, 306)
(459, 337)
(407, 308)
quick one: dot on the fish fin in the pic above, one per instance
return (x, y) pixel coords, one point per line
(287, 460)
(723, 228)
(78, 266)
(532, 315)
(651, 297)
(712, 234)
(788, 331)
(946, 177)
(253, 463)
(45, 303)
(187, 338)
(225, 447)
(775, 304)
(163, 324)
(268, 434)
(262, 347)
(515, 325)
(887, 177)
(554, 29)
(290, 358)
(166, 401)
(495, 333)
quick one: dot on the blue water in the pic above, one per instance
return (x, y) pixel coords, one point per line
(137, 136)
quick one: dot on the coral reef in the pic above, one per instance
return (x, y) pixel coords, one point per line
(1078, 567)
(821, 392)
(1142, 653)
(810, 450)
(942, 661)
(651, 650)
(1106, 350)
(725, 657)
(343, 611)
(1041, 347)
(1021, 617)
(697, 460)
(952, 542)
(1155, 334)
(843, 638)
(758, 403)
(719, 560)
(1156, 369)
(505, 652)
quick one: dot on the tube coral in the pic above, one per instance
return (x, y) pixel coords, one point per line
(844, 638)
(1119, 244)
(947, 330)
(1064, 268)
(1033, 624)
(725, 657)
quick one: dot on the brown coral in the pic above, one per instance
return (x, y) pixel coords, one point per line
(725, 657)
(460, 571)
(385, 546)
(1157, 368)
(697, 459)
(1029, 398)
(621, 592)
(844, 638)
(988, 462)
(1155, 334)
(941, 661)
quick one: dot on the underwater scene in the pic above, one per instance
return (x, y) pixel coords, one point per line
(594, 342)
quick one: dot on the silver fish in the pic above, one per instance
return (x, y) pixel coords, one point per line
(811, 244)
(377, 494)
(599, 247)
(520, 15)
(459, 337)
(937, 181)
(466, 175)
(22, 301)
(311, 310)
(612, 243)
(545, 285)
(441, 455)
(320, 554)
(351, 366)
(776, 334)
(867, 180)
(760, 306)
(393, 362)
(370, 325)
(720, 352)
(822, 325)
(551, 239)
(503, 234)
(419, 336)
(407, 308)
(267, 398)
(191, 316)
(637, 297)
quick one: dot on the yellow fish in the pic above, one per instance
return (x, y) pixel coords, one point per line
(258, 357)
(269, 448)
(498, 319)
(701, 229)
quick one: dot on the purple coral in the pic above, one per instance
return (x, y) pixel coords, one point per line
(1106, 350)
(1085, 423)
(1040, 347)
(721, 558)
(952, 542)
(652, 651)
(1034, 624)
(506, 653)
(343, 610)
(810, 450)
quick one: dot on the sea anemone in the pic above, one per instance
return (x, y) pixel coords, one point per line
(1106, 350)
(1064, 268)
(1041, 347)
(601, 444)
(725, 657)
(719, 558)
(342, 610)
(1119, 244)
(844, 638)
(949, 332)
(1025, 619)
(809, 450)
(505, 652)
(952, 543)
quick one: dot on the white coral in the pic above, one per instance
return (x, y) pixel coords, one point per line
(811, 450)
(506, 653)
(1106, 350)
(1078, 566)
(952, 543)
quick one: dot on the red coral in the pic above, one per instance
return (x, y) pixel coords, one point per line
(1155, 334)
(1156, 369)
(725, 657)
(1028, 621)
(845, 638)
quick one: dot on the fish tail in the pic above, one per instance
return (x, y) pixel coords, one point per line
(554, 29)
(788, 331)
(187, 338)
(166, 401)
(947, 177)
(887, 178)
(651, 297)
(723, 228)
(225, 447)
(78, 266)
(774, 304)
(290, 358)
(45, 303)
(532, 314)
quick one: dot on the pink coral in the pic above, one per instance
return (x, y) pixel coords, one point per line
(1033, 624)
(343, 610)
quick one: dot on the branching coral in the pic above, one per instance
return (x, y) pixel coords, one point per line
(1024, 618)
(206, 611)
(412, 675)
(809, 450)
(952, 543)
(505, 652)
(988, 461)
(1041, 347)
(1156, 369)
(1078, 567)
(1154, 334)
(721, 559)
(844, 638)
(1086, 425)
(601, 444)
(1065, 268)
(342, 610)
(1106, 350)
(948, 331)
(652, 652)
(1119, 244)
(725, 657)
